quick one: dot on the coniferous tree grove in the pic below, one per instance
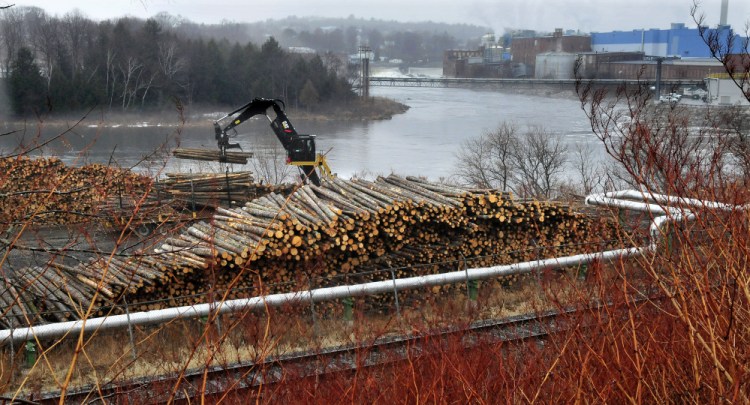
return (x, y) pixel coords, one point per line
(72, 63)
(27, 87)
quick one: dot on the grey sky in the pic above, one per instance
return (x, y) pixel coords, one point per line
(586, 15)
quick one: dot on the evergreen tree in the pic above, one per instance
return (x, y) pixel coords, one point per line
(132, 64)
(309, 96)
(26, 85)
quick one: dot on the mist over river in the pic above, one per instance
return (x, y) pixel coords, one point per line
(423, 141)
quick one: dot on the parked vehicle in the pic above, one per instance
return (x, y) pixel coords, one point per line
(670, 98)
(695, 93)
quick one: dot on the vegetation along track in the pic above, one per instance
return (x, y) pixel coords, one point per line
(246, 377)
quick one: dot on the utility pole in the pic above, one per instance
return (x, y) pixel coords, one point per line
(659, 60)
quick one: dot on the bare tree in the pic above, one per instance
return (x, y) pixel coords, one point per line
(13, 32)
(666, 149)
(170, 63)
(269, 164)
(592, 175)
(732, 51)
(727, 47)
(502, 143)
(528, 163)
(111, 76)
(538, 161)
(131, 71)
(474, 161)
(46, 39)
(485, 161)
(76, 32)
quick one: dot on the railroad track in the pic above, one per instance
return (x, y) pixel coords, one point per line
(243, 377)
(248, 375)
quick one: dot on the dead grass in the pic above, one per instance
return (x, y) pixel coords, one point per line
(191, 345)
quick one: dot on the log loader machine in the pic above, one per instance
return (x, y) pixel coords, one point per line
(300, 149)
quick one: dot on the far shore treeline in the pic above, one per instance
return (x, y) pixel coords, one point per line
(72, 63)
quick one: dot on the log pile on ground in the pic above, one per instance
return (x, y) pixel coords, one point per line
(60, 292)
(215, 189)
(330, 235)
(45, 190)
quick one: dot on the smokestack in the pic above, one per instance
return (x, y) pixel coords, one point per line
(724, 12)
(558, 35)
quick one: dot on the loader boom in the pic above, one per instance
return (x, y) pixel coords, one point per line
(300, 148)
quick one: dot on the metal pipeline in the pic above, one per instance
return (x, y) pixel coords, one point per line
(616, 202)
(61, 329)
(645, 195)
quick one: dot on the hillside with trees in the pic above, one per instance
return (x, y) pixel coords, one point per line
(69, 63)
(413, 42)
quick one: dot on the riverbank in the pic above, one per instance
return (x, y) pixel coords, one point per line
(374, 109)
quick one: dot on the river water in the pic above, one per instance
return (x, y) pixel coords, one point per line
(423, 141)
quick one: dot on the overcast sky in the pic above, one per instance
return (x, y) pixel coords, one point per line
(543, 15)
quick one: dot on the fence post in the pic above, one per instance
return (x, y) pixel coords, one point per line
(538, 255)
(583, 272)
(472, 290)
(348, 309)
(12, 345)
(466, 272)
(130, 329)
(395, 294)
(212, 309)
(30, 354)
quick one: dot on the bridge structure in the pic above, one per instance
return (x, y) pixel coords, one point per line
(515, 83)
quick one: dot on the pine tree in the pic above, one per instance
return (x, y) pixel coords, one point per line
(26, 85)
(309, 96)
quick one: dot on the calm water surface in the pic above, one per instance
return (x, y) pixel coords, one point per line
(423, 141)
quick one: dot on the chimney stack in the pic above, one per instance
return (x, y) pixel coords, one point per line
(558, 35)
(724, 13)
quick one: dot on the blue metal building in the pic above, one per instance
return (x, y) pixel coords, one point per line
(677, 41)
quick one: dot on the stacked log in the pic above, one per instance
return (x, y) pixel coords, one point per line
(44, 190)
(341, 231)
(344, 226)
(60, 292)
(153, 210)
(213, 155)
(214, 189)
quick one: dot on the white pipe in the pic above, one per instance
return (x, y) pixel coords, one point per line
(61, 329)
(646, 195)
(604, 200)
(656, 229)
(667, 214)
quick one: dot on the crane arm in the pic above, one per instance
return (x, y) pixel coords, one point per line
(300, 149)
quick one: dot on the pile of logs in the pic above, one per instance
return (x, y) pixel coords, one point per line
(338, 232)
(214, 189)
(44, 190)
(60, 292)
(212, 155)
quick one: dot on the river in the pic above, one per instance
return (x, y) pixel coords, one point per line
(423, 141)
